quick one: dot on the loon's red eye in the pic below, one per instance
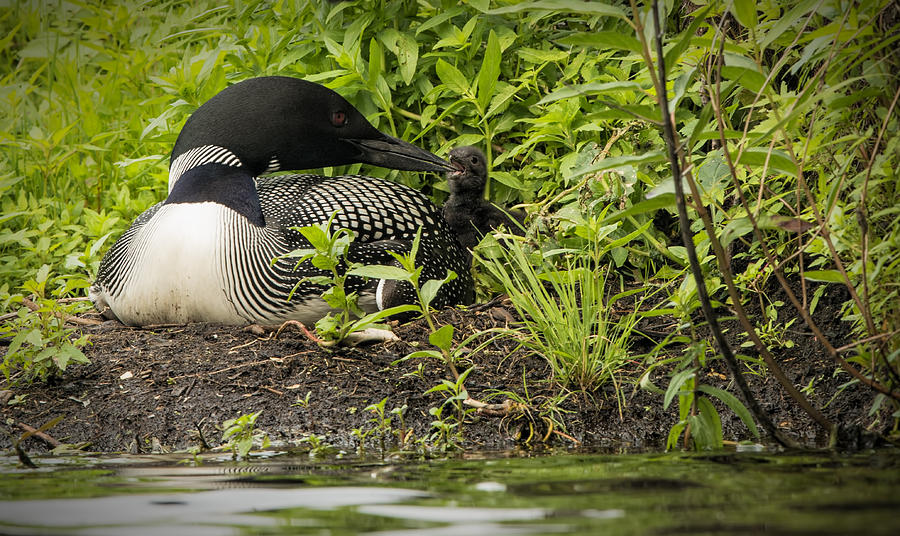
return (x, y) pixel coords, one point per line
(339, 118)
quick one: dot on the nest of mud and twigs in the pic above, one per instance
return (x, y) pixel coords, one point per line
(171, 388)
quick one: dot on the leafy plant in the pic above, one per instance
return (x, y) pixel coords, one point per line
(382, 425)
(239, 436)
(329, 254)
(425, 293)
(698, 420)
(41, 344)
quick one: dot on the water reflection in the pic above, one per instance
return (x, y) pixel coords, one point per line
(729, 493)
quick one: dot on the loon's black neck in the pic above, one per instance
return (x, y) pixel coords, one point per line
(226, 185)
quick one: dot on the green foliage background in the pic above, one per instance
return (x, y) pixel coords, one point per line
(558, 92)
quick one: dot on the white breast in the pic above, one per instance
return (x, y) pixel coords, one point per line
(176, 274)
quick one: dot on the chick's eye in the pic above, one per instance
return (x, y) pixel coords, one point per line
(339, 118)
(474, 159)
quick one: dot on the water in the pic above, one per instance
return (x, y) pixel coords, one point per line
(495, 494)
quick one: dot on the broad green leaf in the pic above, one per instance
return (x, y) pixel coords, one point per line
(593, 88)
(490, 71)
(711, 429)
(442, 338)
(743, 71)
(734, 405)
(675, 385)
(372, 318)
(538, 56)
(501, 98)
(408, 56)
(778, 160)
(650, 157)
(430, 290)
(824, 276)
(377, 271)
(629, 237)
(316, 236)
(645, 206)
(603, 40)
(376, 62)
(452, 78)
(745, 12)
(426, 353)
(508, 179)
(439, 19)
(43, 273)
(674, 434)
(573, 6)
(735, 229)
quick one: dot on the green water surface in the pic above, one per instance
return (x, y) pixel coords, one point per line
(493, 494)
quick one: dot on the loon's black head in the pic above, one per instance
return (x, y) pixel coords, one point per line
(299, 125)
(469, 170)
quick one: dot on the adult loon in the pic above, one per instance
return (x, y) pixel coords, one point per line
(469, 215)
(213, 250)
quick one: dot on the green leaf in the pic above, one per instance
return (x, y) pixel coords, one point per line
(647, 205)
(440, 19)
(508, 179)
(442, 338)
(426, 353)
(34, 338)
(538, 56)
(316, 236)
(452, 78)
(674, 434)
(603, 40)
(68, 353)
(376, 62)
(431, 287)
(675, 385)
(824, 276)
(778, 160)
(593, 88)
(650, 157)
(734, 405)
(745, 12)
(490, 71)
(43, 273)
(407, 56)
(372, 318)
(743, 71)
(711, 429)
(573, 6)
(378, 271)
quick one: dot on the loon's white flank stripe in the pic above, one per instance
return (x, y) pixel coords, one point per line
(199, 156)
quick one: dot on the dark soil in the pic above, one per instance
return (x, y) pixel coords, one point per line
(160, 389)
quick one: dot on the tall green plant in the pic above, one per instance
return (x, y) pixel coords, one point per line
(566, 316)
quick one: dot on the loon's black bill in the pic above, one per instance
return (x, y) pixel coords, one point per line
(395, 153)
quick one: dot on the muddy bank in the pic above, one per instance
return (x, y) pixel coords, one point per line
(171, 388)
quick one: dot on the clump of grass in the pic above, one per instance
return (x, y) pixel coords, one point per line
(566, 317)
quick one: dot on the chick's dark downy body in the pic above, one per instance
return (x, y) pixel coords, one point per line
(469, 215)
(205, 254)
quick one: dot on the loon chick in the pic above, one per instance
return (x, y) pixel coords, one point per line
(205, 254)
(469, 215)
